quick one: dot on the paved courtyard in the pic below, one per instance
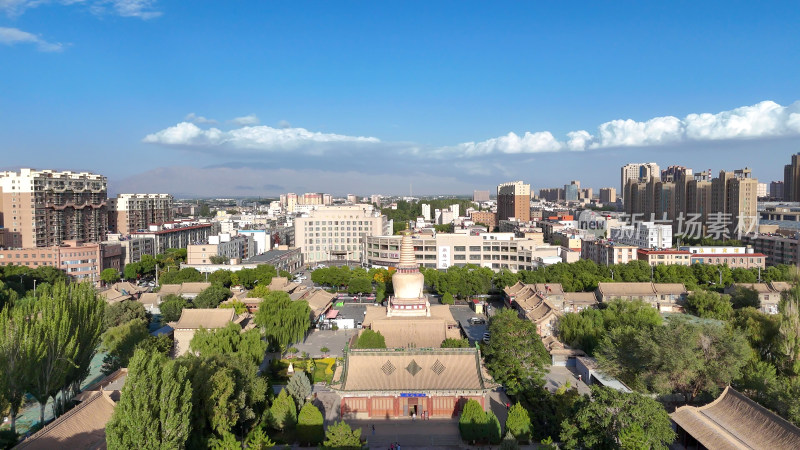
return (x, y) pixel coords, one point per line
(334, 340)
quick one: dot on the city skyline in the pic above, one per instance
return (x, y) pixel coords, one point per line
(255, 100)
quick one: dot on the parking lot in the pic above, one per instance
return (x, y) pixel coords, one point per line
(334, 340)
(474, 332)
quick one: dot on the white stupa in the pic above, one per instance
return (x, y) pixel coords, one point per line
(408, 299)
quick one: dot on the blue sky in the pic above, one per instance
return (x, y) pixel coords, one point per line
(255, 98)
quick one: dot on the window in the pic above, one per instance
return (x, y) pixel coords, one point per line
(459, 248)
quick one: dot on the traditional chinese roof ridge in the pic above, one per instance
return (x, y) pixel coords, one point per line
(761, 288)
(114, 296)
(319, 300)
(194, 287)
(733, 421)
(580, 297)
(669, 288)
(780, 286)
(206, 318)
(643, 288)
(512, 290)
(548, 288)
(282, 284)
(150, 298)
(412, 370)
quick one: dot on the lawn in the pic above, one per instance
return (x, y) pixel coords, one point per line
(322, 373)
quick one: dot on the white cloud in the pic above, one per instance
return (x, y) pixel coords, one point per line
(246, 121)
(194, 118)
(13, 36)
(142, 9)
(255, 138)
(766, 119)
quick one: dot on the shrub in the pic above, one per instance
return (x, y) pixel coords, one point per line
(309, 425)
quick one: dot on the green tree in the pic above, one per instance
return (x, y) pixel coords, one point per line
(309, 425)
(742, 297)
(228, 394)
(154, 408)
(231, 341)
(185, 275)
(606, 421)
(17, 356)
(236, 305)
(109, 276)
(455, 343)
(124, 311)
(283, 411)
(709, 305)
(493, 433)
(447, 299)
(789, 329)
(68, 328)
(258, 440)
(680, 357)
(212, 296)
(120, 342)
(282, 320)
(473, 422)
(217, 259)
(132, 271)
(340, 436)
(515, 356)
(299, 388)
(518, 423)
(370, 339)
(360, 285)
(221, 277)
(172, 306)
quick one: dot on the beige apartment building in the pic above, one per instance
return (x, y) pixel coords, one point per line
(338, 232)
(43, 208)
(175, 234)
(607, 253)
(81, 261)
(135, 212)
(514, 200)
(230, 247)
(608, 195)
(443, 250)
(664, 257)
(485, 217)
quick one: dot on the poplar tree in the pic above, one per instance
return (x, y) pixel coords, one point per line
(17, 349)
(154, 408)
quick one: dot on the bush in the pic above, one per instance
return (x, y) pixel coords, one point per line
(299, 387)
(447, 299)
(518, 423)
(472, 422)
(283, 412)
(371, 339)
(340, 436)
(309, 425)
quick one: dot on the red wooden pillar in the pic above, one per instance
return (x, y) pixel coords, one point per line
(369, 406)
(341, 409)
(396, 406)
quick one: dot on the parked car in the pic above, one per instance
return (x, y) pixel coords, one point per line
(486, 337)
(477, 321)
(359, 325)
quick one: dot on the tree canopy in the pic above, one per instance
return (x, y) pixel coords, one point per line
(515, 355)
(154, 407)
(341, 437)
(212, 296)
(611, 419)
(282, 320)
(231, 341)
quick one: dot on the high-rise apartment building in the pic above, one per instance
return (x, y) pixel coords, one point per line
(571, 191)
(338, 232)
(731, 198)
(352, 199)
(426, 211)
(135, 212)
(554, 195)
(608, 195)
(291, 202)
(637, 171)
(776, 190)
(480, 196)
(514, 200)
(327, 199)
(791, 180)
(42, 208)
